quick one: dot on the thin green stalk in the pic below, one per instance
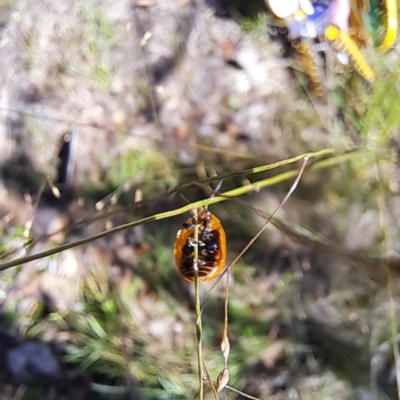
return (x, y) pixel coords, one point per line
(217, 199)
(181, 188)
(258, 234)
(199, 331)
(242, 393)
(213, 390)
(225, 332)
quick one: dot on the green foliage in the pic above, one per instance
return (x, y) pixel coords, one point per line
(256, 25)
(156, 170)
(97, 39)
(380, 117)
(105, 339)
(13, 240)
(374, 111)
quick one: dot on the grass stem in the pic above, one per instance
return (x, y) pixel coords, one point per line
(199, 331)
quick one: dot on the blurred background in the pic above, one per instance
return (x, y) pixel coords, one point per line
(105, 106)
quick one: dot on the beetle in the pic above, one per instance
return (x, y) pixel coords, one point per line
(211, 246)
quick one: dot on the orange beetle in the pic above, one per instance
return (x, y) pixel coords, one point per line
(211, 247)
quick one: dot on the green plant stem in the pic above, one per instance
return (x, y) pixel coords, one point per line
(199, 331)
(181, 188)
(213, 390)
(241, 393)
(217, 199)
(225, 332)
(258, 234)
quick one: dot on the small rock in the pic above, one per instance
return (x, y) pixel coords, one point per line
(117, 86)
(31, 362)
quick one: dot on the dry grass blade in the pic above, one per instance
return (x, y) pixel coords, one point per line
(223, 379)
(212, 388)
(232, 193)
(258, 234)
(225, 345)
(199, 332)
(180, 188)
(247, 396)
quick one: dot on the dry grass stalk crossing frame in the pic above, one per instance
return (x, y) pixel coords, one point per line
(284, 176)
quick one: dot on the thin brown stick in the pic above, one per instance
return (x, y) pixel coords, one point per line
(258, 234)
(199, 330)
(213, 390)
(241, 393)
(326, 163)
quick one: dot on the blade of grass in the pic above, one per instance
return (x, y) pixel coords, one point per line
(213, 390)
(258, 234)
(199, 330)
(337, 160)
(241, 393)
(100, 215)
(180, 188)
